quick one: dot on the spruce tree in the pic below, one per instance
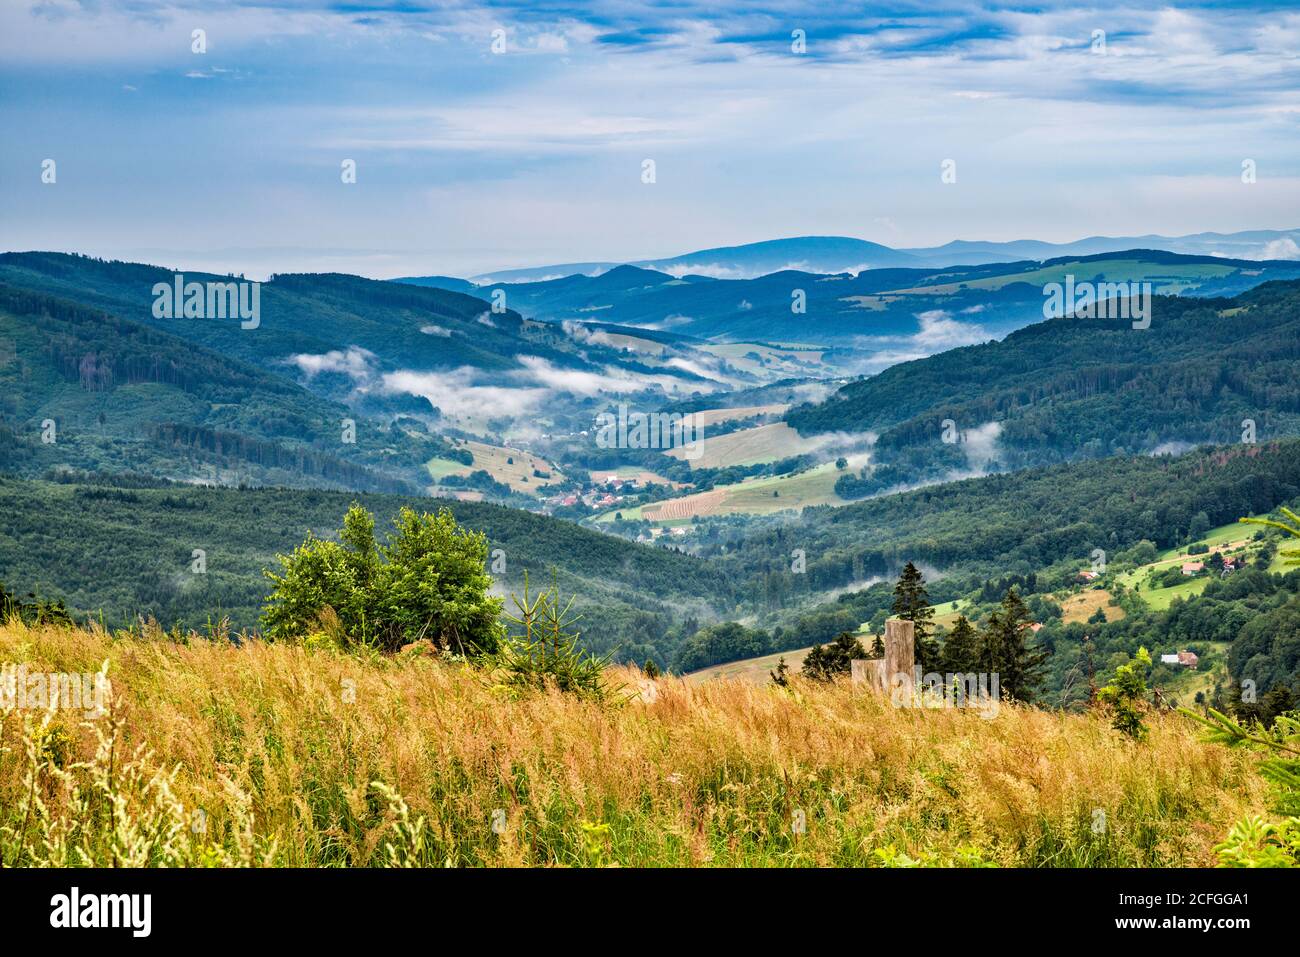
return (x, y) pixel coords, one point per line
(912, 603)
(961, 650)
(1004, 652)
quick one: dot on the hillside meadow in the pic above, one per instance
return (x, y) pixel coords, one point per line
(213, 754)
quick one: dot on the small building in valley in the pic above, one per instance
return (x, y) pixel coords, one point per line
(1183, 659)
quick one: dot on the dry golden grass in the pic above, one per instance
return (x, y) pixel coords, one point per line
(1081, 606)
(280, 746)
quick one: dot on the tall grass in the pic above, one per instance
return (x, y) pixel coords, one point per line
(213, 754)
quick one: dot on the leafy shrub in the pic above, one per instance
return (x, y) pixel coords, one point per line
(428, 581)
(35, 612)
(1126, 694)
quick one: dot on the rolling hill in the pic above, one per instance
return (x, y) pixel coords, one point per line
(1073, 387)
(125, 548)
(383, 348)
(84, 390)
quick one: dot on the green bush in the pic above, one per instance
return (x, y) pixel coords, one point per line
(1126, 693)
(428, 581)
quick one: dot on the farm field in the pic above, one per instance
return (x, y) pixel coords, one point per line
(511, 467)
(752, 670)
(633, 473)
(632, 343)
(766, 443)
(709, 417)
(773, 362)
(758, 496)
(1229, 539)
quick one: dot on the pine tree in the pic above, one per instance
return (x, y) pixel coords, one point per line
(961, 650)
(912, 603)
(825, 662)
(1003, 650)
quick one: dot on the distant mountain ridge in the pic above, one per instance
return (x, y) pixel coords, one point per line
(877, 310)
(837, 254)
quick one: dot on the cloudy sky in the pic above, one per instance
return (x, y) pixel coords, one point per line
(469, 159)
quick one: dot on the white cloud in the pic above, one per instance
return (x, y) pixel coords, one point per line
(455, 393)
(937, 332)
(354, 362)
(981, 445)
(1284, 248)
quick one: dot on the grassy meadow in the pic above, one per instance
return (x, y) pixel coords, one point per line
(212, 754)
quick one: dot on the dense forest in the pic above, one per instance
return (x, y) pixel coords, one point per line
(1206, 371)
(124, 547)
(121, 396)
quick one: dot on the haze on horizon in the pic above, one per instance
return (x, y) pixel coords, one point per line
(469, 160)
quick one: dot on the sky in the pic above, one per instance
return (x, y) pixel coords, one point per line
(497, 135)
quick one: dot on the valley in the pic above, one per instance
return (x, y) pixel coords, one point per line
(445, 435)
(810, 477)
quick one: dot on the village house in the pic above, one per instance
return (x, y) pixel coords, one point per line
(1184, 659)
(1193, 568)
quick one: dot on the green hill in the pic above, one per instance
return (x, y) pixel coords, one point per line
(368, 328)
(126, 549)
(85, 390)
(1073, 388)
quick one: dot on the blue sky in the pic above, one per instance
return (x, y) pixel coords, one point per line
(468, 160)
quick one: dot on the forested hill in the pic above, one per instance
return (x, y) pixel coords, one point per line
(127, 549)
(366, 327)
(1008, 523)
(85, 390)
(1076, 387)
